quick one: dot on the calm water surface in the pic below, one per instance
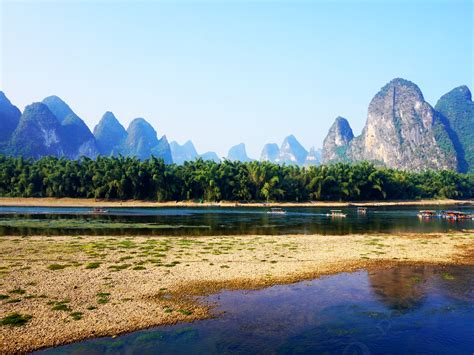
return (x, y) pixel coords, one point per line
(220, 221)
(403, 310)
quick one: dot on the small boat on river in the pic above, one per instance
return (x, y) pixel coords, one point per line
(361, 210)
(99, 210)
(337, 213)
(276, 210)
(427, 214)
(456, 215)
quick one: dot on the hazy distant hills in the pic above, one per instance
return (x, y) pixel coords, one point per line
(238, 153)
(291, 152)
(404, 131)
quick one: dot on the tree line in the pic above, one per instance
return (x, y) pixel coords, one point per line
(130, 178)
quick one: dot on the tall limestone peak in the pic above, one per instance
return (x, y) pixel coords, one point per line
(141, 139)
(270, 152)
(162, 150)
(182, 153)
(109, 134)
(79, 139)
(403, 131)
(58, 107)
(457, 108)
(9, 117)
(292, 152)
(238, 153)
(211, 156)
(142, 142)
(337, 141)
(38, 133)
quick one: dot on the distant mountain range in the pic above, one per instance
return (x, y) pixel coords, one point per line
(51, 128)
(402, 131)
(291, 152)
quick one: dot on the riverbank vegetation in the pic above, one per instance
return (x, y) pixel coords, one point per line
(130, 178)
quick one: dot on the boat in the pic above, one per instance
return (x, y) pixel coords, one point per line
(361, 210)
(336, 213)
(99, 210)
(427, 214)
(455, 215)
(276, 210)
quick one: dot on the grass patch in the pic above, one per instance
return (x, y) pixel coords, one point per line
(447, 276)
(14, 300)
(17, 291)
(185, 312)
(139, 267)
(57, 267)
(119, 267)
(92, 265)
(103, 297)
(61, 307)
(76, 315)
(15, 319)
(4, 297)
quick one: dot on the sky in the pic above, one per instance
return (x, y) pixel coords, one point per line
(224, 72)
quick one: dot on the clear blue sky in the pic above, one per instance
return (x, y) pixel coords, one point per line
(221, 73)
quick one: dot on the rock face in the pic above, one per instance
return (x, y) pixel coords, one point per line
(79, 141)
(142, 142)
(458, 109)
(109, 134)
(9, 117)
(211, 156)
(39, 133)
(182, 153)
(292, 152)
(337, 141)
(313, 158)
(402, 131)
(270, 152)
(238, 153)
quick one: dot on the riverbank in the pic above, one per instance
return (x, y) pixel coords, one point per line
(83, 202)
(85, 286)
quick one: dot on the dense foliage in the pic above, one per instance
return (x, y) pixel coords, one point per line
(130, 178)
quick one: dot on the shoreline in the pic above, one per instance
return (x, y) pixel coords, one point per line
(143, 282)
(84, 202)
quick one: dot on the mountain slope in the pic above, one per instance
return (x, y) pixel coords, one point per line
(109, 134)
(238, 153)
(38, 134)
(270, 152)
(337, 141)
(182, 153)
(292, 152)
(142, 142)
(313, 157)
(458, 108)
(211, 156)
(9, 117)
(402, 131)
(79, 140)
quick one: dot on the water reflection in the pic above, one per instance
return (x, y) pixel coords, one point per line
(219, 221)
(401, 288)
(400, 310)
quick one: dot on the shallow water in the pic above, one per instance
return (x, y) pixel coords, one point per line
(422, 310)
(220, 221)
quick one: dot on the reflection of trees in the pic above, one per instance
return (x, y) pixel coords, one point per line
(402, 288)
